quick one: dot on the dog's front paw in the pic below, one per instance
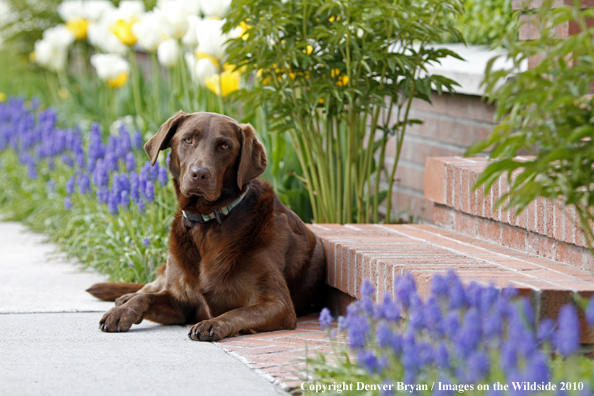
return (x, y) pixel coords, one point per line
(124, 299)
(119, 319)
(209, 330)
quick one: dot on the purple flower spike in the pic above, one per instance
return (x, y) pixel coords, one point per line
(124, 199)
(567, 337)
(325, 318)
(141, 206)
(149, 193)
(84, 185)
(137, 140)
(112, 203)
(163, 178)
(546, 330)
(31, 171)
(67, 203)
(478, 367)
(103, 195)
(70, 185)
(439, 286)
(146, 242)
(405, 288)
(130, 162)
(369, 361)
(358, 328)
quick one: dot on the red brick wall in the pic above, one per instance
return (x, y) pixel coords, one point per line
(450, 125)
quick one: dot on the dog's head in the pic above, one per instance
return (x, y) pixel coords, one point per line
(209, 152)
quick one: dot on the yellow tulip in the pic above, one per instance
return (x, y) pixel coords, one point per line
(3, 97)
(229, 81)
(123, 30)
(78, 27)
(119, 81)
(201, 54)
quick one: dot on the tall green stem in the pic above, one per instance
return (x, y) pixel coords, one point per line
(135, 83)
(156, 87)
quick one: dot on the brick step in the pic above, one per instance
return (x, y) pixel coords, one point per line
(382, 252)
(545, 228)
(280, 355)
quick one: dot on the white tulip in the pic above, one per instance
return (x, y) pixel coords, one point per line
(192, 6)
(168, 53)
(191, 63)
(211, 39)
(59, 36)
(109, 66)
(100, 37)
(70, 10)
(216, 8)
(129, 9)
(148, 32)
(98, 9)
(205, 68)
(190, 39)
(50, 56)
(174, 19)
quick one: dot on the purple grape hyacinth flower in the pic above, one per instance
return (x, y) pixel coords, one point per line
(163, 177)
(70, 185)
(325, 318)
(146, 242)
(67, 203)
(130, 162)
(84, 184)
(567, 336)
(137, 140)
(149, 193)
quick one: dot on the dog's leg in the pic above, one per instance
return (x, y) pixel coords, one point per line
(157, 307)
(275, 313)
(153, 287)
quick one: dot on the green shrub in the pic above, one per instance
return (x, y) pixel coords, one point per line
(331, 71)
(485, 22)
(547, 112)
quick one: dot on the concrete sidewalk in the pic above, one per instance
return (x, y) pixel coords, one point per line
(50, 343)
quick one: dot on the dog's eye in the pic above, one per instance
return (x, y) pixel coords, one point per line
(188, 140)
(224, 146)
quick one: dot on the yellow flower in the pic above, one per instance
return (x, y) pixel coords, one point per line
(119, 81)
(228, 80)
(201, 54)
(342, 80)
(78, 27)
(64, 94)
(244, 28)
(32, 57)
(3, 97)
(308, 50)
(123, 30)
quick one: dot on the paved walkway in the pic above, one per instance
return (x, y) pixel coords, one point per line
(50, 343)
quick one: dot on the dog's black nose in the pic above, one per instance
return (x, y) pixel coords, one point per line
(199, 173)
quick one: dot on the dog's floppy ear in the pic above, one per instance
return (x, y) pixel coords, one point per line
(252, 159)
(162, 138)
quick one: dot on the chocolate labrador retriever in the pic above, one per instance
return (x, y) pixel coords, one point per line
(239, 260)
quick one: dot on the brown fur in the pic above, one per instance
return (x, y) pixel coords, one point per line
(256, 271)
